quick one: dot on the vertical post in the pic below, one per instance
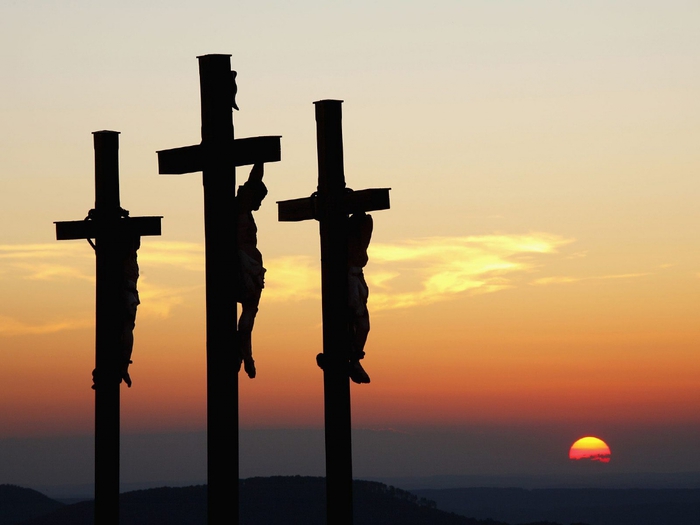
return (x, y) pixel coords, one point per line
(219, 180)
(107, 330)
(334, 293)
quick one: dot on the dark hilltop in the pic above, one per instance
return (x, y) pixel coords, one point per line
(280, 500)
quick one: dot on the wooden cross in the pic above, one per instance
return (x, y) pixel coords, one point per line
(217, 157)
(331, 205)
(112, 230)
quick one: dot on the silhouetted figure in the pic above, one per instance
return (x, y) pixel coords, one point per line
(234, 90)
(129, 299)
(359, 235)
(130, 302)
(251, 272)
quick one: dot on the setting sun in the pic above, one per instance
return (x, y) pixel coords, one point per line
(590, 449)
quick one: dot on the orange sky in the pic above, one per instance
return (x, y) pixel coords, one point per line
(539, 264)
(507, 348)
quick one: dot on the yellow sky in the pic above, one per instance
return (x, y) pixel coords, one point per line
(539, 261)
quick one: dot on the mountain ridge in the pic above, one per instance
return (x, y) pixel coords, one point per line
(288, 500)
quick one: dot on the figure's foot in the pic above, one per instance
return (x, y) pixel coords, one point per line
(321, 361)
(125, 373)
(249, 366)
(357, 373)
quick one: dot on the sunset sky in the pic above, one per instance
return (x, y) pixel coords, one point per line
(536, 277)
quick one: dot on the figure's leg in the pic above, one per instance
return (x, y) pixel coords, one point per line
(249, 310)
(359, 327)
(359, 324)
(360, 330)
(128, 346)
(132, 302)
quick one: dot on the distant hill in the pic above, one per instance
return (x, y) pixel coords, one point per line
(592, 506)
(301, 500)
(579, 479)
(267, 501)
(18, 504)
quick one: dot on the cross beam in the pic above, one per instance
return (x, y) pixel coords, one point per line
(217, 157)
(67, 230)
(330, 205)
(111, 230)
(243, 152)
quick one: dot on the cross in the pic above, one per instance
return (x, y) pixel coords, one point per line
(113, 231)
(217, 157)
(331, 205)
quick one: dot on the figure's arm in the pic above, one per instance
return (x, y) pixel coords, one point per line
(366, 227)
(360, 227)
(256, 174)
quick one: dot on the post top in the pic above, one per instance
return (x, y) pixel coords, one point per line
(213, 55)
(106, 132)
(328, 100)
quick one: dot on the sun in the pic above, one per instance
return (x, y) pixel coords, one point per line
(590, 449)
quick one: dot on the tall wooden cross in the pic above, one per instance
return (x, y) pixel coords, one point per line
(331, 205)
(217, 157)
(112, 231)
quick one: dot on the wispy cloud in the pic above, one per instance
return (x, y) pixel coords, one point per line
(423, 271)
(159, 301)
(292, 278)
(59, 261)
(12, 326)
(400, 275)
(567, 280)
(185, 255)
(25, 252)
(45, 262)
(439, 268)
(48, 272)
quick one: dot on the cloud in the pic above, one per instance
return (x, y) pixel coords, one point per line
(445, 267)
(422, 271)
(292, 278)
(46, 262)
(60, 261)
(400, 275)
(12, 326)
(35, 251)
(159, 301)
(50, 272)
(186, 255)
(557, 280)
(566, 280)
(74, 261)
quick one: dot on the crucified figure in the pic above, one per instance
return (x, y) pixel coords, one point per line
(359, 235)
(251, 275)
(130, 302)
